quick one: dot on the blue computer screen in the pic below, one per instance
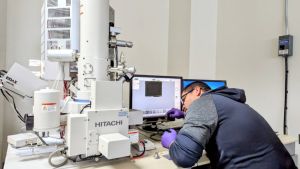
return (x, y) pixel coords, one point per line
(213, 84)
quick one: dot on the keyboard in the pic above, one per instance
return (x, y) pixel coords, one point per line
(177, 124)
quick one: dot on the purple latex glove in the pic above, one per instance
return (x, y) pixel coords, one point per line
(175, 113)
(168, 138)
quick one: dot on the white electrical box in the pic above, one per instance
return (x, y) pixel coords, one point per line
(23, 139)
(59, 30)
(76, 134)
(114, 145)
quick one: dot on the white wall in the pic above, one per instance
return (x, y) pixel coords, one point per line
(177, 30)
(247, 56)
(203, 34)
(22, 44)
(160, 31)
(23, 31)
(2, 66)
(247, 53)
(146, 24)
(179, 37)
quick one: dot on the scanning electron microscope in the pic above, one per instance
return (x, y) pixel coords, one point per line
(104, 127)
(96, 121)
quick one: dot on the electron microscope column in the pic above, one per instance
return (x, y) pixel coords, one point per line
(94, 37)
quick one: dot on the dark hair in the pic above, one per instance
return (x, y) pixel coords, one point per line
(202, 85)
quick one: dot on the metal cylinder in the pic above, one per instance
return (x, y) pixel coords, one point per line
(46, 109)
(94, 37)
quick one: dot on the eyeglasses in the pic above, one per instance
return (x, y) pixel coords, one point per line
(184, 96)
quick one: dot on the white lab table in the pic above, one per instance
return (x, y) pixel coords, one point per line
(148, 161)
(290, 144)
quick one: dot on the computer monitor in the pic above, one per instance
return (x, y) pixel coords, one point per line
(155, 95)
(213, 84)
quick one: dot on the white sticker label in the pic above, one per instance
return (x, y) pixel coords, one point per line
(49, 107)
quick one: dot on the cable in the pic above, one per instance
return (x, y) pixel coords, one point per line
(23, 96)
(41, 139)
(4, 95)
(15, 108)
(65, 89)
(61, 150)
(13, 102)
(285, 127)
(285, 96)
(117, 57)
(90, 157)
(2, 72)
(144, 150)
(86, 106)
(152, 133)
(79, 158)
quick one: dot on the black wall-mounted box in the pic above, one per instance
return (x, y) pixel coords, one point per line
(285, 45)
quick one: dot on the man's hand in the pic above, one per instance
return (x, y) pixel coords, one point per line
(175, 113)
(168, 138)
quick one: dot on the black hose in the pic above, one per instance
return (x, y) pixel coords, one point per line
(285, 97)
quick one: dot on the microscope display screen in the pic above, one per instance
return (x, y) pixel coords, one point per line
(153, 88)
(155, 95)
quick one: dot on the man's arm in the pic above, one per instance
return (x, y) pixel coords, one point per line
(200, 123)
(185, 151)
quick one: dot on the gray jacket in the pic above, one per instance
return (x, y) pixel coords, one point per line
(232, 133)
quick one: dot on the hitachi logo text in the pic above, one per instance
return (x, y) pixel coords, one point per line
(108, 123)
